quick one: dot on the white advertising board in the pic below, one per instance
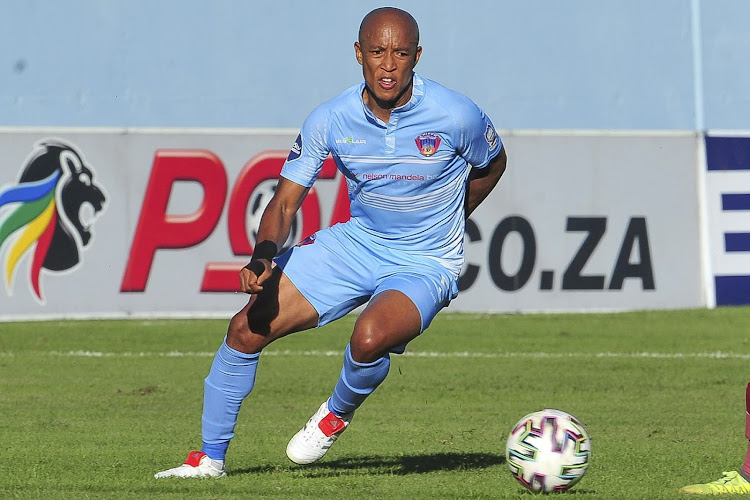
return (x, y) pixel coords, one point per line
(589, 221)
(117, 222)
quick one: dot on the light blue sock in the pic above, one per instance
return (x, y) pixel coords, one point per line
(230, 380)
(356, 382)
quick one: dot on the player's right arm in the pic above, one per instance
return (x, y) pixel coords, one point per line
(297, 177)
(275, 225)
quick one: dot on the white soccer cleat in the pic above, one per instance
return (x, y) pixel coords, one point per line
(319, 433)
(198, 464)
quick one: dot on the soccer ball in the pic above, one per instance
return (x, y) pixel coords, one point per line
(548, 451)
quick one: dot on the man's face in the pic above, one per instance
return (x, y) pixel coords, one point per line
(388, 53)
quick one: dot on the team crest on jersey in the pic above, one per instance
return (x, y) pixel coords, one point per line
(296, 150)
(428, 143)
(490, 135)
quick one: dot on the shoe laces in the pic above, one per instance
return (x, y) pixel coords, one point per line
(727, 476)
(728, 482)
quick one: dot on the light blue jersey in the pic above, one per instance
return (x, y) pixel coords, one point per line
(406, 178)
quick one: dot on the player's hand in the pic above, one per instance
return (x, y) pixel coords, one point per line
(250, 282)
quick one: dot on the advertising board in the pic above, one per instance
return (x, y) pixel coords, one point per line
(122, 222)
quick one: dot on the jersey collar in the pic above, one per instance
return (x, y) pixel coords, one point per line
(417, 94)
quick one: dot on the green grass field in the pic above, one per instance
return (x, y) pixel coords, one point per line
(92, 409)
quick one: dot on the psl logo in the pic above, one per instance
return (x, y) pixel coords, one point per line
(46, 211)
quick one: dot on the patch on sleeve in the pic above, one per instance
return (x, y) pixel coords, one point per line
(491, 137)
(296, 150)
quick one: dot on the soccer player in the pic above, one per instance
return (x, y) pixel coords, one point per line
(733, 482)
(418, 159)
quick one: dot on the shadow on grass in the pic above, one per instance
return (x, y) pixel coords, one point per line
(373, 465)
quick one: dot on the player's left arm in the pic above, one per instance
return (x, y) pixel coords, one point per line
(483, 180)
(480, 145)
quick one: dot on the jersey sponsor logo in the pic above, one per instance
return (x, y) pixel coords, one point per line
(49, 213)
(350, 140)
(490, 135)
(394, 177)
(428, 143)
(296, 150)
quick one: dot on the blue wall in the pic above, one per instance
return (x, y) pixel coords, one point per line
(592, 64)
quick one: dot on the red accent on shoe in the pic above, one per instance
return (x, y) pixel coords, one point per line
(331, 424)
(194, 458)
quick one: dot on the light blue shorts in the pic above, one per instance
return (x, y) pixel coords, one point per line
(340, 268)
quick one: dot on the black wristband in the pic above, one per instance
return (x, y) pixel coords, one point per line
(266, 250)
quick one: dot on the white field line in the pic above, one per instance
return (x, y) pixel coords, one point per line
(408, 354)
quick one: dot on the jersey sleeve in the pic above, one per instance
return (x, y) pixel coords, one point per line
(309, 150)
(478, 142)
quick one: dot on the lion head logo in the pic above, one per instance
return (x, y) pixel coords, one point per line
(50, 210)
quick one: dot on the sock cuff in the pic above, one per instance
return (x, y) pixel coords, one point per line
(376, 363)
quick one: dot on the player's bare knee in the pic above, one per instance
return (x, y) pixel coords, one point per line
(237, 325)
(240, 337)
(366, 346)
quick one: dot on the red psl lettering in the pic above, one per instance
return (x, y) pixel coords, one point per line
(158, 230)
